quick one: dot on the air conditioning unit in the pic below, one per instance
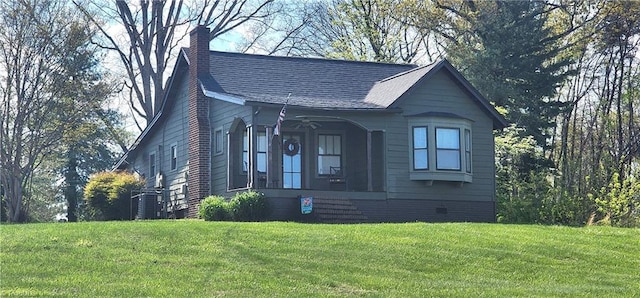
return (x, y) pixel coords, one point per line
(159, 181)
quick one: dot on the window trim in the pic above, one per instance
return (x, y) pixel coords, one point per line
(152, 174)
(173, 159)
(458, 150)
(218, 147)
(433, 172)
(317, 153)
(258, 152)
(245, 150)
(414, 148)
(468, 151)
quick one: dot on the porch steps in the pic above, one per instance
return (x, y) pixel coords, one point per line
(337, 210)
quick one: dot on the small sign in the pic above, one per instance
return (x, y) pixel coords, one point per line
(306, 205)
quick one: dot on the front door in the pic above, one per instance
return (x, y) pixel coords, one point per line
(292, 146)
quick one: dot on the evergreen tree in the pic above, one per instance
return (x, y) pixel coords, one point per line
(509, 53)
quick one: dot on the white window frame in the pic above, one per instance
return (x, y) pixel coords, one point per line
(434, 172)
(318, 155)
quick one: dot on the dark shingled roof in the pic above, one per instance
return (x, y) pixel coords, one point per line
(387, 91)
(312, 82)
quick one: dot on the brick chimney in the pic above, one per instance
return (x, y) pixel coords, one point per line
(199, 131)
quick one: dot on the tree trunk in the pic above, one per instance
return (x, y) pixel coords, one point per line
(71, 185)
(13, 198)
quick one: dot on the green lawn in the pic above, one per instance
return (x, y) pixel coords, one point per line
(204, 259)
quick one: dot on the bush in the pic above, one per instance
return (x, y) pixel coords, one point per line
(249, 206)
(619, 201)
(214, 208)
(244, 206)
(108, 195)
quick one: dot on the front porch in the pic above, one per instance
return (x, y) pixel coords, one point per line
(310, 154)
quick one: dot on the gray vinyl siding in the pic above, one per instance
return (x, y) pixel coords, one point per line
(441, 94)
(222, 115)
(172, 129)
(175, 131)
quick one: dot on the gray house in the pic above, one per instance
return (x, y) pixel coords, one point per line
(369, 142)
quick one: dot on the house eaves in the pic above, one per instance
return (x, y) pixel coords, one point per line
(221, 96)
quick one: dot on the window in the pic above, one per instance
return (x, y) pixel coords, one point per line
(245, 150)
(219, 143)
(448, 149)
(329, 153)
(420, 152)
(440, 148)
(467, 150)
(174, 156)
(262, 152)
(152, 165)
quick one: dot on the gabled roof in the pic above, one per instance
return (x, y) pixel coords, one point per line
(389, 92)
(324, 84)
(312, 82)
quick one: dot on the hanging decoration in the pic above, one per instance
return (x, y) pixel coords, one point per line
(291, 147)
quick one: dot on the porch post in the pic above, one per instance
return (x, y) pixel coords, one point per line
(229, 174)
(369, 163)
(252, 152)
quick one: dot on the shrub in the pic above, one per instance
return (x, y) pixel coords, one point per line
(108, 195)
(214, 208)
(619, 201)
(249, 206)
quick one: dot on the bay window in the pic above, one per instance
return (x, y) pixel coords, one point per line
(420, 149)
(448, 149)
(440, 148)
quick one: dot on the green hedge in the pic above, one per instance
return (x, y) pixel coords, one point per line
(214, 208)
(108, 195)
(249, 206)
(244, 206)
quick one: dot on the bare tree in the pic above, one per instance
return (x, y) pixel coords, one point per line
(153, 32)
(366, 30)
(36, 50)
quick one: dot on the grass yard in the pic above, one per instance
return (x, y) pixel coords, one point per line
(205, 259)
